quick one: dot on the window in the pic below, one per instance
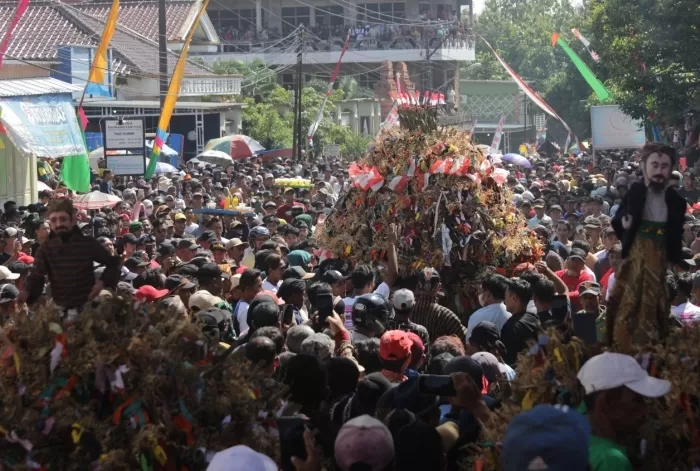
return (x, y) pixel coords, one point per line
(368, 80)
(330, 16)
(287, 80)
(381, 12)
(240, 20)
(293, 17)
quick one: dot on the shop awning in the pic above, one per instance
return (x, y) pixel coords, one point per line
(43, 125)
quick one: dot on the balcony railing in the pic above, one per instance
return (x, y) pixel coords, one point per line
(199, 86)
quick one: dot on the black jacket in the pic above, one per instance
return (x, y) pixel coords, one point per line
(633, 205)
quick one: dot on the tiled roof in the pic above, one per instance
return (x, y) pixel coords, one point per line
(42, 29)
(143, 16)
(46, 26)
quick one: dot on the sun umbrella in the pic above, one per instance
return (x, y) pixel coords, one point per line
(162, 167)
(215, 157)
(237, 146)
(165, 150)
(517, 159)
(41, 186)
(95, 200)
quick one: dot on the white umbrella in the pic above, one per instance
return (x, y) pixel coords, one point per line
(215, 157)
(165, 150)
(95, 200)
(162, 167)
(41, 186)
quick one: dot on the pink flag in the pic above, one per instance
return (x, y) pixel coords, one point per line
(7, 39)
(83, 118)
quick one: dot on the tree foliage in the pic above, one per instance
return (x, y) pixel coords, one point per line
(650, 49)
(521, 33)
(267, 116)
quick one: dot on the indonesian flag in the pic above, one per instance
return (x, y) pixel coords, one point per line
(426, 97)
(586, 44)
(434, 99)
(441, 98)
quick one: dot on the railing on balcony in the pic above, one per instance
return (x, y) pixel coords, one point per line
(199, 86)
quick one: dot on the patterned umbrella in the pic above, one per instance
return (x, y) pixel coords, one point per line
(215, 157)
(237, 146)
(95, 200)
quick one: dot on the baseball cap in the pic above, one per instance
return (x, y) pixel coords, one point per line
(206, 235)
(6, 274)
(178, 281)
(589, 287)
(591, 222)
(166, 250)
(364, 439)
(578, 253)
(296, 273)
(132, 262)
(492, 368)
(241, 458)
(612, 370)
(547, 437)
(333, 276)
(135, 225)
(8, 293)
(130, 238)
(10, 232)
(217, 246)
(394, 345)
(404, 299)
(235, 243)
(468, 365)
(179, 217)
(485, 333)
(203, 300)
(149, 294)
(538, 204)
(26, 259)
(211, 270)
(298, 258)
(556, 207)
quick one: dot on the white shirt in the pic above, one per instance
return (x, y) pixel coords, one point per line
(191, 228)
(267, 286)
(590, 272)
(495, 313)
(242, 315)
(611, 283)
(689, 309)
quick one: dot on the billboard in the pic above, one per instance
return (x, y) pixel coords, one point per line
(613, 129)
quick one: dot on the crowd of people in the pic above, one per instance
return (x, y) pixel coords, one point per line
(385, 374)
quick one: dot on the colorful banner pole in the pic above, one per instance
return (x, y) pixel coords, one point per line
(329, 91)
(586, 43)
(590, 78)
(171, 99)
(7, 38)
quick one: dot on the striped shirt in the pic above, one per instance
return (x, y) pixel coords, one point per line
(437, 319)
(70, 270)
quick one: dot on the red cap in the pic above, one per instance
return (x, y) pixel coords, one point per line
(272, 295)
(149, 294)
(26, 259)
(417, 347)
(395, 345)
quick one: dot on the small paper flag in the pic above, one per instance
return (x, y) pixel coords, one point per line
(83, 118)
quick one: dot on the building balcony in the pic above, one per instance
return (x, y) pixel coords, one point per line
(209, 85)
(367, 50)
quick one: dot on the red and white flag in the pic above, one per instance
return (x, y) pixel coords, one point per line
(531, 94)
(441, 98)
(496, 143)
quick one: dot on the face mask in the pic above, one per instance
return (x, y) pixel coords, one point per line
(482, 299)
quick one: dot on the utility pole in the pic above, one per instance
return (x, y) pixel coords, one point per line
(427, 79)
(162, 51)
(297, 138)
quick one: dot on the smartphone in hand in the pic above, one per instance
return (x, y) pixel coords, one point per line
(437, 385)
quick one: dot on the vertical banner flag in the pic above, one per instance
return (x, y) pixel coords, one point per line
(531, 94)
(496, 143)
(319, 117)
(586, 44)
(599, 89)
(96, 79)
(473, 129)
(22, 6)
(171, 99)
(568, 141)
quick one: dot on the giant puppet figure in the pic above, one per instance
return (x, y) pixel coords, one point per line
(650, 225)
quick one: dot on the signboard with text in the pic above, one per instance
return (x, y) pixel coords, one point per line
(124, 141)
(613, 129)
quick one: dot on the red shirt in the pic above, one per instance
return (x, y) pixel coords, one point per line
(572, 283)
(604, 280)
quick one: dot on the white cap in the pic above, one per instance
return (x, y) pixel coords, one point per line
(6, 274)
(241, 458)
(612, 370)
(203, 300)
(404, 299)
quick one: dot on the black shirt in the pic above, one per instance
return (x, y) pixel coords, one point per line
(691, 196)
(516, 332)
